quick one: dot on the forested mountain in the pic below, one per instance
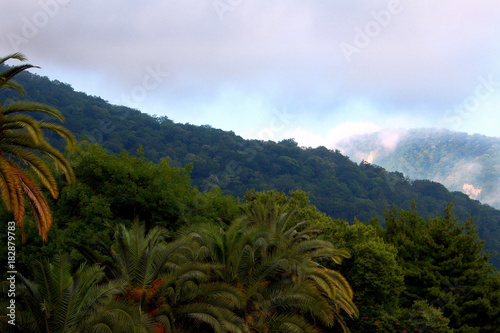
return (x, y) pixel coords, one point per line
(337, 186)
(135, 238)
(462, 162)
(130, 245)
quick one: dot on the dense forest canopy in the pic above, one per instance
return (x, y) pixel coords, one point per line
(336, 185)
(462, 162)
(135, 246)
(143, 241)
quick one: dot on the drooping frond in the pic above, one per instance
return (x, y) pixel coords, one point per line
(24, 106)
(13, 85)
(7, 184)
(22, 141)
(24, 186)
(37, 165)
(292, 323)
(16, 56)
(62, 132)
(24, 122)
(7, 75)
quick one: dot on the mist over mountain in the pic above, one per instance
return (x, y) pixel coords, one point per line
(460, 161)
(337, 185)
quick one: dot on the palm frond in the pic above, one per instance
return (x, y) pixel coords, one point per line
(40, 207)
(22, 140)
(24, 122)
(291, 323)
(7, 184)
(13, 85)
(25, 106)
(16, 56)
(7, 75)
(37, 165)
(62, 132)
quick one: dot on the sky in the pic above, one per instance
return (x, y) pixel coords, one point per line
(316, 71)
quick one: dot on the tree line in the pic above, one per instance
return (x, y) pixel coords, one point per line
(132, 245)
(336, 185)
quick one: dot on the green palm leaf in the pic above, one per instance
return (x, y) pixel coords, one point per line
(63, 302)
(24, 106)
(22, 141)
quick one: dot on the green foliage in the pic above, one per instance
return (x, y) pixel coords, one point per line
(454, 159)
(22, 143)
(129, 187)
(270, 263)
(166, 282)
(336, 185)
(212, 206)
(421, 317)
(372, 270)
(116, 189)
(178, 259)
(445, 264)
(55, 300)
(273, 257)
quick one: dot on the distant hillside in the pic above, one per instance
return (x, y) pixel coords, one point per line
(462, 162)
(337, 185)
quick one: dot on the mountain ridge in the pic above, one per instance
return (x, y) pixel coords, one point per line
(338, 186)
(461, 161)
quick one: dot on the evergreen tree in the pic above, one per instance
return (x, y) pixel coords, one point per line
(444, 263)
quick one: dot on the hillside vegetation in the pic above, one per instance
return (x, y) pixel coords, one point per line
(336, 185)
(461, 162)
(134, 246)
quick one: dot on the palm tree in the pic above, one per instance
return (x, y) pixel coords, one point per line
(164, 281)
(273, 259)
(56, 301)
(22, 143)
(297, 238)
(189, 299)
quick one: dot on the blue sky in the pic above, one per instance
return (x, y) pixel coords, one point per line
(317, 71)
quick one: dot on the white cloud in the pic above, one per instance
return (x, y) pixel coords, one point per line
(471, 191)
(389, 138)
(287, 52)
(308, 138)
(348, 129)
(370, 157)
